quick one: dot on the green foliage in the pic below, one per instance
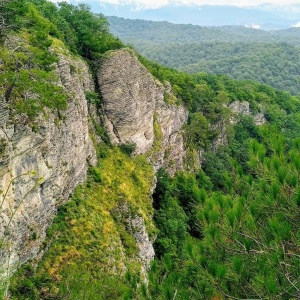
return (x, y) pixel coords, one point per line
(93, 98)
(26, 87)
(229, 230)
(91, 241)
(3, 145)
(83, 32)
(128, 148)
(248, 228)
(173, 220)
(79, 35)
(27, 81)
(207, 98)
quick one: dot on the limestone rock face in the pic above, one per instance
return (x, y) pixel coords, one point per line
(259, 119)
(243, 108)
(132, 99)
(129, 94)
(39, 170)
(239, 107)
(135, 225)
(171, 119)
(146, 250)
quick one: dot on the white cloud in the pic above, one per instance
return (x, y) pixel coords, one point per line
(139, 4)
(296, 25)
(254, 26)
(283, 5)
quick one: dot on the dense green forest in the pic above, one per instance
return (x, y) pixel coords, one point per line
(230, 230)
(227, 230)
(242, 53)
(164, 32)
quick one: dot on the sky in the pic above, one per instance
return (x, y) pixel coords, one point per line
(160, 3)
(258, 14)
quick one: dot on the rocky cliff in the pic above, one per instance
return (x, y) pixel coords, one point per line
(133, 101)
(39, 169)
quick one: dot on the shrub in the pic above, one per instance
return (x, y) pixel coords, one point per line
(128, 148)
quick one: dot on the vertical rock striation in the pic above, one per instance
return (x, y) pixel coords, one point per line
(39, 169)
(132, 100)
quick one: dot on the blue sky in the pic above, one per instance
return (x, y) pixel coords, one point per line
(259, 14)
(160, 3)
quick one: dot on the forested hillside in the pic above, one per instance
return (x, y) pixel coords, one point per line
(270, 57)
(230, 230)
(224, 227)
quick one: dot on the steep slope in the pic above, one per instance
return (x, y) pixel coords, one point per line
(224, 225)
(38, 169)
(51, 116)
(98, 244)
(41, 168)
(44, 166)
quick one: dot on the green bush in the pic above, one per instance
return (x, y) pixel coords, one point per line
(128, 148)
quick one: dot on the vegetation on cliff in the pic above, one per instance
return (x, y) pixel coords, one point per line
(234, 233)
(227, 230)
(27, 61)
(231, 229)
(90, 250)
(207, 97)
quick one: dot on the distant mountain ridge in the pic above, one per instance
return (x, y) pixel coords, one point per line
(271, 57)
(151, 31)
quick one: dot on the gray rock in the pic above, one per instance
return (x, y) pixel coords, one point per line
(243, 108)
(59, 154)
(132, 99)
(39, 170)
(259, 119)
(128, 93)
(135, 225)
(146, 250)
(239, 107)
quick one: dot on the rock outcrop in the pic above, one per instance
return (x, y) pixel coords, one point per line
(39, 169)
(132, 101)
(237, 108)
(243, 108)
(135, 225)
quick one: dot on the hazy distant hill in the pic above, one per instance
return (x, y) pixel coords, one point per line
(157, 32)
(271, 57)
